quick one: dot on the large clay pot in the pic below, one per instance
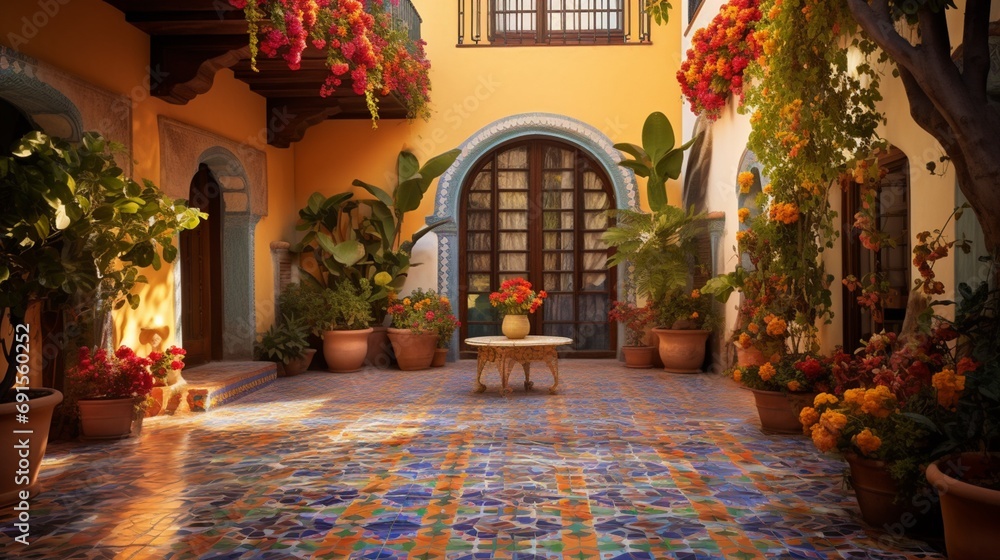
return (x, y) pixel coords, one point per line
(749, 357)
(971, 513)
(40, 407)
(413, 351)
(379, 349)
(682, 351)
(779, 411)
(876, 492)
(515, 327)
(107, 418)
(296, 366)
(345, 351)
(640, 357)
(440, 357)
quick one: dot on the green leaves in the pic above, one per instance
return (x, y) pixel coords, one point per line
(657, 160)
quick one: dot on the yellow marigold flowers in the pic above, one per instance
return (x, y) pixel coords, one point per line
(753, 328)
(777, 327)
(867, 441)
(767, 371)
(823, 439)
(824, 398)
(745, 180)
(784, 212)
(833, 421)
(854, 397)
(794, 385)
(948, 386)
(808, 416)
(743, 214)
(737, 375)
(879, 402)
(767, 188)
(406, 301)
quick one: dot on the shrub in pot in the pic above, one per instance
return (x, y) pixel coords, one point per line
(413, 334)
(443, 323)
(685, 320)
(287, 344)
(635, 320)
(783, 387)
(344, 318)
(304, 302)
(110, 391)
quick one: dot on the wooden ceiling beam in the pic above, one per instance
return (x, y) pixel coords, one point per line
(183, 67)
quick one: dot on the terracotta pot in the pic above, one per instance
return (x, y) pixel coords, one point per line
(640, 357)
(40, 407)
(654, 341)
(106, 418)
(779, 411)
(296, 366)
(876, 492)
(440, 357)
(515, 327)
(413, 351)
(345, 351)
(682, 351)
(749, 357)
(971, 513)
(379, 349)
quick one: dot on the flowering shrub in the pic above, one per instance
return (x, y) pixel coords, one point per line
(635, 319)
(517, 298)
(796, 374)
(420, 312)
(366, 46)
(718, 55)
(118, 375)
(444, 321)
(162, 362)
(682, 310)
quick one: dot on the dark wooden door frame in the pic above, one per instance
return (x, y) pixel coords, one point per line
(206, 194)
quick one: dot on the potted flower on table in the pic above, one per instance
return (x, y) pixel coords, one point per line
(635, 319)
(516, 300)
(111, 391)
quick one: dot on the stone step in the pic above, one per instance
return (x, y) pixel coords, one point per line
(211, 385)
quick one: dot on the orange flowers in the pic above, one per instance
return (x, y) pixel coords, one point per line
(879, 402)
(777, 327)
(784, 212)
(744, 214)
(744, 341)
(867, 441)
(948, 385)
(745, 180)
(517, 298)
(737, 375)
(767, 371)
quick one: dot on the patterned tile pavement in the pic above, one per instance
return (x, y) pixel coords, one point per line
(622, 464)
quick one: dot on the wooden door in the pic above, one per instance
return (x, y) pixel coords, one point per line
(201, 274)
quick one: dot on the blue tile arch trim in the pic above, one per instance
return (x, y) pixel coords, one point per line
(561, 127)
(20, 86)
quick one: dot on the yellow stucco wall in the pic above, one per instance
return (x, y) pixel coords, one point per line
(610, 87)
(90, 39)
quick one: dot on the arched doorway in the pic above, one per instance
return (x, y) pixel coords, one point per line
(536, 208)
(201, 273)
(14, 124)
(890, 262)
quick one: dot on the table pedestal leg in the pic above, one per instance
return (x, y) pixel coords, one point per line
(506, 365)
(481, 360)
(552, 360)
(528, 383)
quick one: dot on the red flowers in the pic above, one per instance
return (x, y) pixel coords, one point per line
(517, 298)
(119, 375)
(161, 363)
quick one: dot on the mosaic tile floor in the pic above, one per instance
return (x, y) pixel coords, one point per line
(623, 464)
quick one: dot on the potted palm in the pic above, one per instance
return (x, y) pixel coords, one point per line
(635, 319)
(344, 318)
(110, 390)
(287, 344)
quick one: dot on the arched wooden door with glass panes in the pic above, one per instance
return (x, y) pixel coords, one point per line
(536, 209)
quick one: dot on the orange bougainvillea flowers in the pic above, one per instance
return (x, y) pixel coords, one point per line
(517, 298)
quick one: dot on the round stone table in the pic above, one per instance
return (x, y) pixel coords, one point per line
(506, 352)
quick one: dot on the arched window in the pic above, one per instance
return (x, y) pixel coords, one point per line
(536, 208)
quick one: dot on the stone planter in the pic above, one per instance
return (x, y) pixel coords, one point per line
(41, 404)
(681, 350)
(640, 357)
(779, 411)
(971, 513)
(345, 351)
(413, 351)
(107, 418)
(515, 327)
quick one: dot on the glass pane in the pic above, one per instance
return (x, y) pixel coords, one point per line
(555, 180)
(556, 241)
(482, 221)
(513, 200)
(513, 241)
(593, 307)
(558, 158)
(591, 336)
(594, 281)
(559, 307)
(550, 282)
(480, 200)
(479, 262)
(554, 200)
(514, 220)
(595, 200)
(480, 241)
(484, 330)
(595, 220)
(595, 261)
(568, 241)
(558, 330)
(512, 180)
(558, 261)
(567, 220)
(516, 158)
(594, 241)
(567, 282)
(550, 241)
(483, 181)
(513, 262)
(479, 283)
(592, 181)
(509, 275)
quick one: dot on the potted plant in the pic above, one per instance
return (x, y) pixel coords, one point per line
(344, 318)
(516, 300)
(635, 319)
(166, 366)
(303, 302)
(76, 231)
(444, 323)
(287, 344)
(413, 334)
(110, 391)
(783, 387)
(685, 320)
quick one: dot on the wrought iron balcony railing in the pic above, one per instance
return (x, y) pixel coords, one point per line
(552, 22)
(405, 14)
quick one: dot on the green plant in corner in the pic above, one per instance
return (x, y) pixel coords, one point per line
(283, 342)
(345, 307)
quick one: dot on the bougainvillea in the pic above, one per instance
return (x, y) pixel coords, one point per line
(364, 45)
(718, 55)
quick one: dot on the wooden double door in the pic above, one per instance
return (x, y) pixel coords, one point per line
(201, 273)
